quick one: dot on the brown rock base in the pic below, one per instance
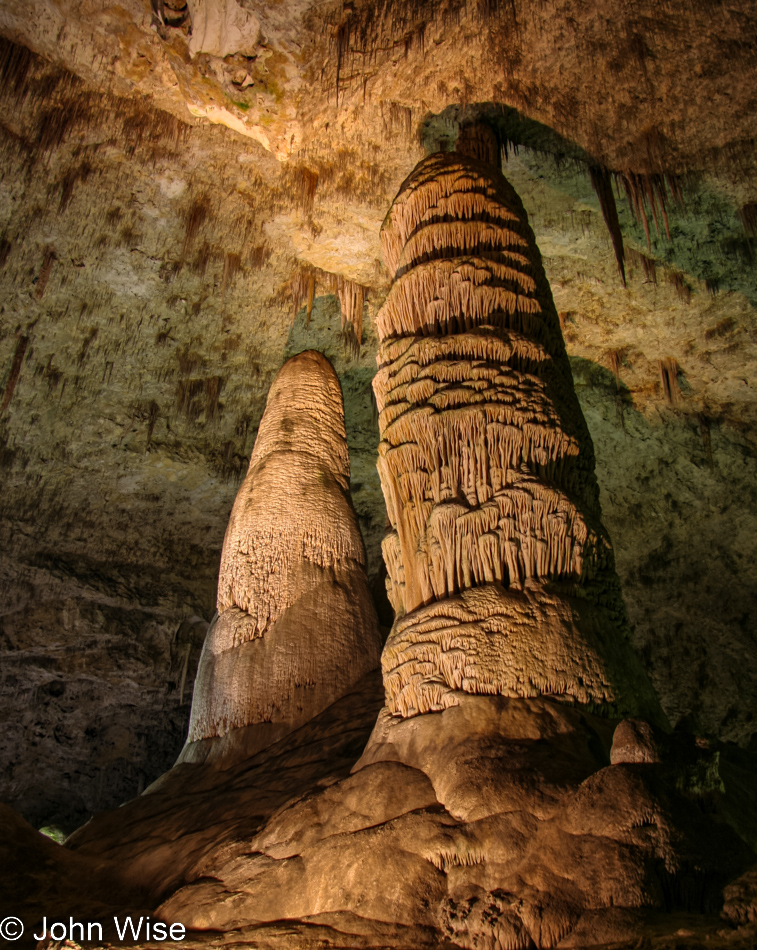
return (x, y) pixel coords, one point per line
(496, 823)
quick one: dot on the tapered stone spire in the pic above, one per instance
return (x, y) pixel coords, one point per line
(296, 623)
(500, 571)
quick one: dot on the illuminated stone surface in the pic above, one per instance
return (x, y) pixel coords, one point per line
(482, 812)
(486, 464)
(147, 260)
(296, 625)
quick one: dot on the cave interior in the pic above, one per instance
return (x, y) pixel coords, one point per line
(378, 524)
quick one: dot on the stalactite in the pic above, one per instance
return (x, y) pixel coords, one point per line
(310, 298)
(399, 117)
(748, 216)
(647, 264)
(44, 273)
(704, 431)
(187, 393)
(304, 284)
(351, 300)
(203, 255)
(304, 186)
(484, 459)
(145, 128)
(303, 287)
(195, 216)
(259, 255)
(682, 289)
(479, 141)
(364, 34)
(59, 120)
(59, 105)
(650, 191)
(18, 362)
(74, 175)
(15, 63)
(212, 386)
(601, 181)
(669, 380)
(342, 41)
(615, 358)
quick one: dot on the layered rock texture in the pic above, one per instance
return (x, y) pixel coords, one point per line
(172, 175)
(500, 572)
(498, 822)
(296, 625)
(491, 806)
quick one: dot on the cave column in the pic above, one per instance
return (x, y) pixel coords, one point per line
(500, 571)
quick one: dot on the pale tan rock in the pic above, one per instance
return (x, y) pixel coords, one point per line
(222, 28)
(677, 501)
(489, 640)
(379, 794)
(494, 823)
(486, 755)
(296, 624)
(499, 570)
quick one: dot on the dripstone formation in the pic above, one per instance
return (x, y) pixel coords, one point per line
(495, 805)
(490, 807)
(500, 572)
(296, 626)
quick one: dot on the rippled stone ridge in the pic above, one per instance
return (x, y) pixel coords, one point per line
(485, 460)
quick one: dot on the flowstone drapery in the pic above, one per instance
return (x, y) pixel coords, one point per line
(296, 625)
(500, 572)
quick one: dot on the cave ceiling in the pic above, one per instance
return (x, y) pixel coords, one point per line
(174, 176)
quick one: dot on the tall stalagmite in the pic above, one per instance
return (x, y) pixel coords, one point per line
(296, 625)
(500, 572)
(506, 820)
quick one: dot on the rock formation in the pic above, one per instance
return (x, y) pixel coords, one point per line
(500, 571)
(296, 626)
(507, 814)
(492, 806)
(223, 29)
(145, 258)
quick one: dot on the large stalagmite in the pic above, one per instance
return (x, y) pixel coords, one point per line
(296, 625)
(518, 819)
(500, 571)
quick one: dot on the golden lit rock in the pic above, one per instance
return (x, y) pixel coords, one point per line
(191, 193)
(296, 626)
(499, 569)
